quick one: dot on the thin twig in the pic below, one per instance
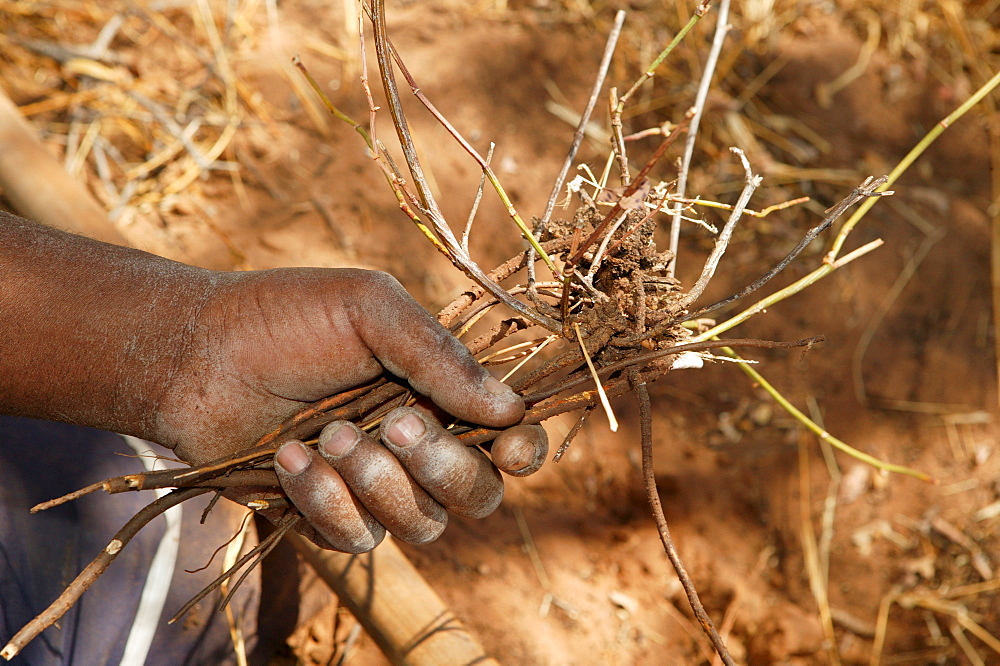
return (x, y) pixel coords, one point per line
(721, 28)
(617, 137)
(475, 203)
(263, 549)
(650, 72)
(571, 435)
(461, 259)
(748, 211)
(602, 248)
(384, 49)
(630, 190)
(581, 130)
(617, 104)
(399, 120)
(751, 183)
(289, 519)
(653, 495)
(867, 189)
(649, 357)
(757, 378)
(227, 542)
(911, 157)
(68, 497)
(92, 571)
(602, 72)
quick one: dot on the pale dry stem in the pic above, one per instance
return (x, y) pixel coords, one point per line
(812, 555)
(750, 184)
(721, 29)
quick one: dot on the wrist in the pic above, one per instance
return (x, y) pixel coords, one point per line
(92, 332)
(152, 355)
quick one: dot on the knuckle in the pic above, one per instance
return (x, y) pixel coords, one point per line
(380, 280)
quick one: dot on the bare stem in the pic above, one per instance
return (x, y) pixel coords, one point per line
(751, 183)
(653, 495)
(651, 70)
(384, 53)
(629, 191)
(721, 28)
(571, 435)
(649, 357)
(867, 189)
(262, 550)
(581, 130)
(912, 156)
(475, 203)
(92, 571)
(383, 50)
(757, 378)
(286, 523)
(602, 72)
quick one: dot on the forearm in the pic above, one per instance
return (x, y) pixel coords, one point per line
(90, 333)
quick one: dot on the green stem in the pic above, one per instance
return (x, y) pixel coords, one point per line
(905, 163)
(820, 432)
(528, 236)
(651, 70)
(764, 303)
(830, 264)
(331, 107)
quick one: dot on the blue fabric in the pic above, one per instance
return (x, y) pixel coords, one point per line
(40, 553)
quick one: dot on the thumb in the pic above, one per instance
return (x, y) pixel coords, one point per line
(410, 343)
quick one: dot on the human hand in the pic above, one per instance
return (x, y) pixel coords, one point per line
(268, 343)
(206, 363)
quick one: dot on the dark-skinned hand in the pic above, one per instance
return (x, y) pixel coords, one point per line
(271, 342)
(206, 362)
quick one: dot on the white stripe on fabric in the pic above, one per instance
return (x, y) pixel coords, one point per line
(161, 571)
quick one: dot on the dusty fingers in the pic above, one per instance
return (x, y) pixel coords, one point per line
(382, 484)
(461, 478)
(325, 500)
(354, 488)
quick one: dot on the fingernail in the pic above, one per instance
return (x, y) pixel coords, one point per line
(338, 438)
(497, 387)
(518, 465)
(515, 458)
(405, 430)
(293, 457)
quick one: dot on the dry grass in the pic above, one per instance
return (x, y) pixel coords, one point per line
(144, 104)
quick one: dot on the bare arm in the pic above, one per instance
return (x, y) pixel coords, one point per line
(91, 333)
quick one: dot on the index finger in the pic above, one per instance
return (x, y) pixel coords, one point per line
(410, 343)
